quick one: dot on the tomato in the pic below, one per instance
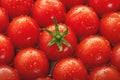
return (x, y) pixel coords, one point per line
(59, 43)
(71, 3)
(6, 50)
(8, 73)
(94, 51)
(23, 32)
(104, 73)
(104, 6)
(44, 10)
(31, 63)
(82, 20)
(70, 69)
(110, 27)
(4, 20)
(115, 58)
(17, 7)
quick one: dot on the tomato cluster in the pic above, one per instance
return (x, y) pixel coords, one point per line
(59, 39)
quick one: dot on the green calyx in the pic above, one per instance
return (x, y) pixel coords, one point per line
(58, 38)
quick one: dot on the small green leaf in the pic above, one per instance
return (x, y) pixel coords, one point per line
(66, 43)
(52, 42)
(50, 32)
(65, 33)
(59, 44)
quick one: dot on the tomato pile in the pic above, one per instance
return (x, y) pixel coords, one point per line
(59, 39)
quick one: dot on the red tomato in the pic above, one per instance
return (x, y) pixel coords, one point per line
(115, 58)
(8, 73)
(82, 20)
(17, 7)
(94, 51)
(71, 3)
(6, 50)
(23, 32)
(104, 6)
(4, 20)
(104, 73)
(61, 44)
(44, 10)
(70, 69)
(31, 63)
(110, 27)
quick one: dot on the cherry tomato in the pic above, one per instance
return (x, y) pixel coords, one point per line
(59, 43)
(70, 69)
(110, 27)
(44, 10)
(17, 7)
(104, 6)
(71, 3)
(31, 63)
(6, 50)
(23, 32)
(94, 51)
(82, 20)
(8, 73)
(104, 73)
(4, 20)
(115, 58)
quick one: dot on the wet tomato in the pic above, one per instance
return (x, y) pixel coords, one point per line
(16, 8)
(31, 63)
(115, 58)
(44, 10)
(6, 50)
(82, 20)
(70, 69)
(104, 73)
(58, 41)
(4, 20)
(23, 32)
(8, 73)
(94, 51)
(104, 6)
(110, 27)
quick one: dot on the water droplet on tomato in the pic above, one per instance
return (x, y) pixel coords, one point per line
(28, 38)
(110, 5)
(98, 58)
(65, 49)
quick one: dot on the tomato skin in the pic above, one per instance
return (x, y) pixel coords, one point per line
(104, 73)
(31, 63)
(8, 73)
(52, 51)
(104, 6)
(110, 27)
(44, 10)
(17, 7)
(71, 3)
(94, 51)
(23, 32)
(4, 20)
(82, 20)
(70, 69)
(6, 50)
(44, 78)
(115, 58)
